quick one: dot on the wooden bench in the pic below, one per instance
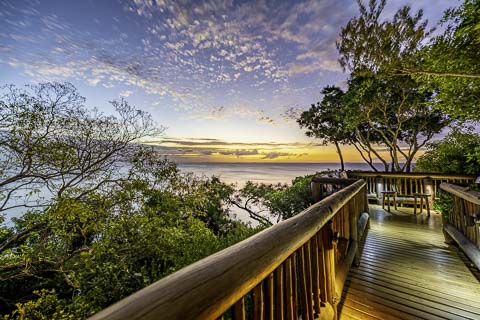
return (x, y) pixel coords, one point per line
(400, 192)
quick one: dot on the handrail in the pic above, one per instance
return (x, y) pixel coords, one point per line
(459, 191)
(416, 175)
(462, 222)
(208, 288)
(408, 184)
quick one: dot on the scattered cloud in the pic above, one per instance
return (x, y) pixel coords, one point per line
(238, 153)
(266, 120)
(208, 149)
(210, 60)
(126, 93)
(274, 155)
(205, 142)
(184, 51)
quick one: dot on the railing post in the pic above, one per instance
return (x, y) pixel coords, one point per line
(446, 236)
(316, 191)
(329, 261)
(353, 220)
(379, 186)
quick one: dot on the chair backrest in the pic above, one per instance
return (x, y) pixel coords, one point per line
(405, 186)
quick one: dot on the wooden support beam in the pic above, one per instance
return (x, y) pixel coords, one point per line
(342, 272)
(239, 310)
(466, 245)
(362, 225)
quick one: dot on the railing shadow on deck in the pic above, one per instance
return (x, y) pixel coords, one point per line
(294, 269)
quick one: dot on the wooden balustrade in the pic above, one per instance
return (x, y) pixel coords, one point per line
(295, 269)
(463, 221)
(407, 184)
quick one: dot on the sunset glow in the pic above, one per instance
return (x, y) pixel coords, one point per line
(221, 76)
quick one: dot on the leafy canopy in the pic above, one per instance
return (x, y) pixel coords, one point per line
(117, 217)
(457, 153)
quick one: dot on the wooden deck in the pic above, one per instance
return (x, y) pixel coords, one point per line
(408, 272)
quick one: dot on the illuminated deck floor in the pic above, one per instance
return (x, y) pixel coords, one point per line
(408, 272)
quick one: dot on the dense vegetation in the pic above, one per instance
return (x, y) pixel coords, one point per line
(404, 86)
(104, 215)
(458, 152)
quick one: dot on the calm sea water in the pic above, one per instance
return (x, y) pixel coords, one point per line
(263, 172)
(240, 173)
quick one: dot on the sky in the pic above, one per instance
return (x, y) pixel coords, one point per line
(220, 76)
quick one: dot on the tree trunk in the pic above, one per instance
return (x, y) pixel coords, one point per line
(364, 157)
(408, 167)
(339, 151)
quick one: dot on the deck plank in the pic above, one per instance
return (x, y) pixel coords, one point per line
(408, 272)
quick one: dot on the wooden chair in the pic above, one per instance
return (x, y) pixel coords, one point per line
(412, 191)
(386, 196)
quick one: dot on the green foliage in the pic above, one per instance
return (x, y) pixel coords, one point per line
(457, 153)
(444, 204)
(326, 120)
(291, 200)
(369, 45)
(120, 216)
(450, 63)
(268, 203)
(392, 112)
(45, 306)
(386, 118)
(96, 251)
(52, 141)
(447, 65)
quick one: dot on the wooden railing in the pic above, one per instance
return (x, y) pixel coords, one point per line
(462, 224)
(407, 184)
(294, 269)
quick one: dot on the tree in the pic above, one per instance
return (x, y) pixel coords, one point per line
(375, 115)
(49, 139)
(446, 65)
(388, 110)
(392, 114)
(457, 153)
(325, 120)
(93, 251)
(269, 203)
(118, 218)
(368, 45)
(449, 64)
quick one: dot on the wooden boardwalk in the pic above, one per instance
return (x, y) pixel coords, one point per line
(408, 272)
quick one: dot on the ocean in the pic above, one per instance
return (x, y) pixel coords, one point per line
(239, 174)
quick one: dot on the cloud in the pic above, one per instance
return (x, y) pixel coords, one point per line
(207, 149)
(126, 93)
(274, 155)
(239, 153)
(207, 142)
(206, 152)
(266, 119)
(190, 54)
